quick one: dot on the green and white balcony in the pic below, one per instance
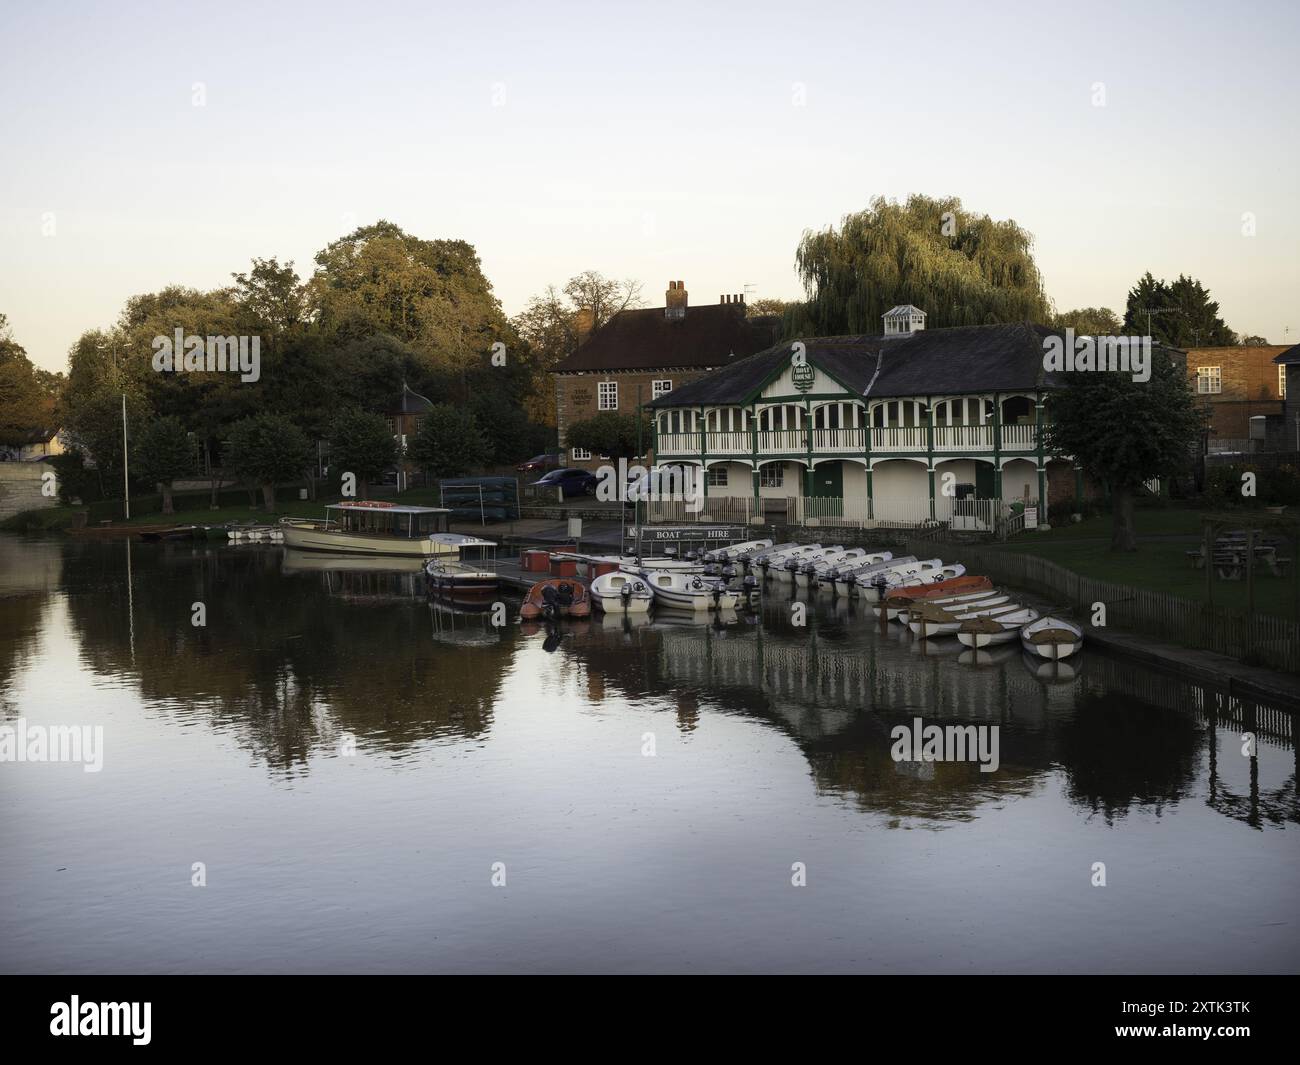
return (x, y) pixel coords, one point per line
(859, 443)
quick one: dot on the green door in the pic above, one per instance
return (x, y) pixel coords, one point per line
(828, 483)
(983, 480)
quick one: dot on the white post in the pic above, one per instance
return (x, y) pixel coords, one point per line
(126, 486)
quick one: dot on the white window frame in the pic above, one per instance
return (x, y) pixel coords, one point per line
(716, 477)
(604, 390)
(771, 475)
(1281, 380)
(1209, 380)
(579, 455)
(660, 388)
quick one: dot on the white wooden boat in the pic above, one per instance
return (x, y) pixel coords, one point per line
(841, 571)
(631, 561)
(692, 591)
(986, 631)
(621, 593)
(754, 559)
(1052, 638)
(734, 552)
(253, 533)
(870, 585)
(898, 609)
(845, 582)
(789, 567)
(370, 527)
(774, 560)
(906, 614)
(811, 570)
(928, 622)
(957, 590)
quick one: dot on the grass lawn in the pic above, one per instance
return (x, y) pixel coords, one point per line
(1159, 563)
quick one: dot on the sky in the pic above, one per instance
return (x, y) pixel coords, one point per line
(146, 144)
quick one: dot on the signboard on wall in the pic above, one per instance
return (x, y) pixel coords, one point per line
(1031, 517)
(673, 534)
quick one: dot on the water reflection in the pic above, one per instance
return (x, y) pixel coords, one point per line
(299, 650)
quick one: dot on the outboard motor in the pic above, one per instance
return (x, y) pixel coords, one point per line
(550, 602)
(625, 593)
(750, 585)
(728, 571)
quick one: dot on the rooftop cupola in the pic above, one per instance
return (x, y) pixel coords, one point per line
(903, 320)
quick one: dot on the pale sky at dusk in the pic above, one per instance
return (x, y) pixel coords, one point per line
(649, 141)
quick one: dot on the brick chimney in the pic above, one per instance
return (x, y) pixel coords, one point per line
(582, 325)
(675, 300)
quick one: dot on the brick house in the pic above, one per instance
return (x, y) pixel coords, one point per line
(1288, 366)
(652, 351)
(1232, 385)
(404, 414)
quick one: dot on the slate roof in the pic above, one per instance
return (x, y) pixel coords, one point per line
(963, 359)
(644, 339)
(1291, 355)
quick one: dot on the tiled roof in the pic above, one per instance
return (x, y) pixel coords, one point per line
(979, 358)
(645, 339)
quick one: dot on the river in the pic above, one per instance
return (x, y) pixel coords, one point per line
(331, 774)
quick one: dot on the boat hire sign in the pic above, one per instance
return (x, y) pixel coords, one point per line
(672, 534)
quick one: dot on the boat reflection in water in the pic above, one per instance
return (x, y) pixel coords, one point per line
(469, 743)
(359, 578)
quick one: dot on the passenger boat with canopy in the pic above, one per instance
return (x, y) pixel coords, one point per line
(371, 527)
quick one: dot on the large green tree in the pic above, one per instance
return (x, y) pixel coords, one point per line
(961, 268)
(1125, 432)
(266, 450)
(609, 433)
(555, 322)
(449, 443)
(361, 443)
(163, 451)
(25, 401)
(1089, 321)
(429, 294)
(1178, 313)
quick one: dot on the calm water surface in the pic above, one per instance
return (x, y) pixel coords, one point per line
(226, 745)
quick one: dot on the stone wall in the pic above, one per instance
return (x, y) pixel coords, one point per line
(20, 488)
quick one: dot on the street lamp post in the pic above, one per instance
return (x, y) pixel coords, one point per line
(126, 484)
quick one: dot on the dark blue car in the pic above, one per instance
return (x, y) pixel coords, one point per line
(574, 482)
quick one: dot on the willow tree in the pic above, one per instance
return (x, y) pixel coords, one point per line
(960, 268)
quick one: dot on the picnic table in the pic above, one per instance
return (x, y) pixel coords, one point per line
(1229, 555)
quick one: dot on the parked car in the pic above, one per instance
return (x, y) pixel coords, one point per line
(574, 482)
(540, 464)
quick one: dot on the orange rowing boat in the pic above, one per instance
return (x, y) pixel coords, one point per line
(952, 586)
(557, 597)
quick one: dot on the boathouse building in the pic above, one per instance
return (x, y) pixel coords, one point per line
(909, 426)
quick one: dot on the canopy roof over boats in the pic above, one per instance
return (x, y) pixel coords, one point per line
(385, 508)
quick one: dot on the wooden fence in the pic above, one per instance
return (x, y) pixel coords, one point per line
(1258, 638)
